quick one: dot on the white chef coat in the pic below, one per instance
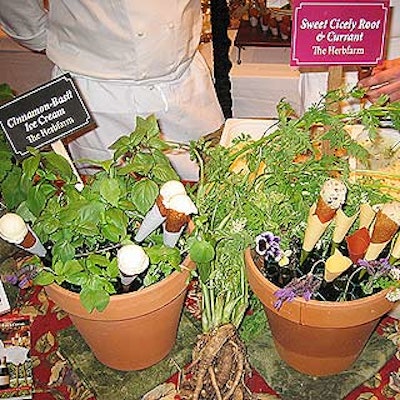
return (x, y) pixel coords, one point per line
(313, 82)
(128, 58)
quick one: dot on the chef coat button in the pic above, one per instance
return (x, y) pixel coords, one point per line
(140, 34)
(171, 25)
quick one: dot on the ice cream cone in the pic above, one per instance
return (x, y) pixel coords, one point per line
(335, 265)
(156, 216)
(13, 229)
(151, 222)
(178, 216)
(323, 211)
(332, 197)
(314, 231)
(32, 244)
(132, 260)
(384, 228)
(342, 225)
(357, 244)
(374, 249)
(367, 215)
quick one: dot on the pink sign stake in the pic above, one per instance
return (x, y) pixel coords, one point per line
(338, 32)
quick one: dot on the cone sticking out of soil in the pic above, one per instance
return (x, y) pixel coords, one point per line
(158, 213)
(335, 265)
(386, 225)
(357, 244)
(14, 230)
(132, 260)
(367, 215)
(178, 215)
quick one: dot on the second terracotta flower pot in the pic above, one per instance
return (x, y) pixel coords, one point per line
(316, 337)
(136, 330)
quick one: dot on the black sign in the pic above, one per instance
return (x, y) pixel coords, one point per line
(44, 115)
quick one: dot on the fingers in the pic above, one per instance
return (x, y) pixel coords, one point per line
(385, 80)
(390, 89)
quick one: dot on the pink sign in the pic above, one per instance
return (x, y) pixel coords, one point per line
(338, 32)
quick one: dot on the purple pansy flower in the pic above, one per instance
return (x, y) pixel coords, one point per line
(268, 245)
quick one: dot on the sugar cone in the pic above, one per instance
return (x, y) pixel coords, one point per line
(374, 249)
(395, 253)
(384, 228)
(342, 225)
(315, 229)
(151, 222)
(323, 211)
(367, 215)
(335, 265)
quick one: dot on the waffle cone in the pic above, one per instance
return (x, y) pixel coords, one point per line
(396, 248)
(175, 221)
(374, 249)
(342, 225)
(367, 215)
(323, 211)
(315, 229)
(384, 228)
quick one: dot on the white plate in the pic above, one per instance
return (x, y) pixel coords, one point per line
(255, 128)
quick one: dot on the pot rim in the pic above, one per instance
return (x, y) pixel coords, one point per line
(316, 312)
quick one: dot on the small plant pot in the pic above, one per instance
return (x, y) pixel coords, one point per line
(136, 330)
(317, 338)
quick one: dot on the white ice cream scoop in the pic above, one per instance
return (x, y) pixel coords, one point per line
(132, 260)
(183, 204)
(170, 189)
(13, 228)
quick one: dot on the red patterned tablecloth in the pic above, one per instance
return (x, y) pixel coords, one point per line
(56, 380)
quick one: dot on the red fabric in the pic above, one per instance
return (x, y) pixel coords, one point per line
(55, 379)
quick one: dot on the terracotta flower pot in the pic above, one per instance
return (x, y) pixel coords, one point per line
(316, 337)
(136, 330)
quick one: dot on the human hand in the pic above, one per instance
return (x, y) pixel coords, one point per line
(385, 80)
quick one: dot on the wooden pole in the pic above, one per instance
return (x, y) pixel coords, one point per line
(335, 80)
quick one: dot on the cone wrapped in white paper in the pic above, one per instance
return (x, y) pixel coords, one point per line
(170, 239)
(150, 223)
(157, 214)
(342, 225)
(132, 260)
(314, 230)
(13, 229)
(367, 215)
(178, 216)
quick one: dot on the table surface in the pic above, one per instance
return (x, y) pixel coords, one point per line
(254, 36)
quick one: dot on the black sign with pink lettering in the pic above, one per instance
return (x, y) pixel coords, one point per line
(44, 115)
